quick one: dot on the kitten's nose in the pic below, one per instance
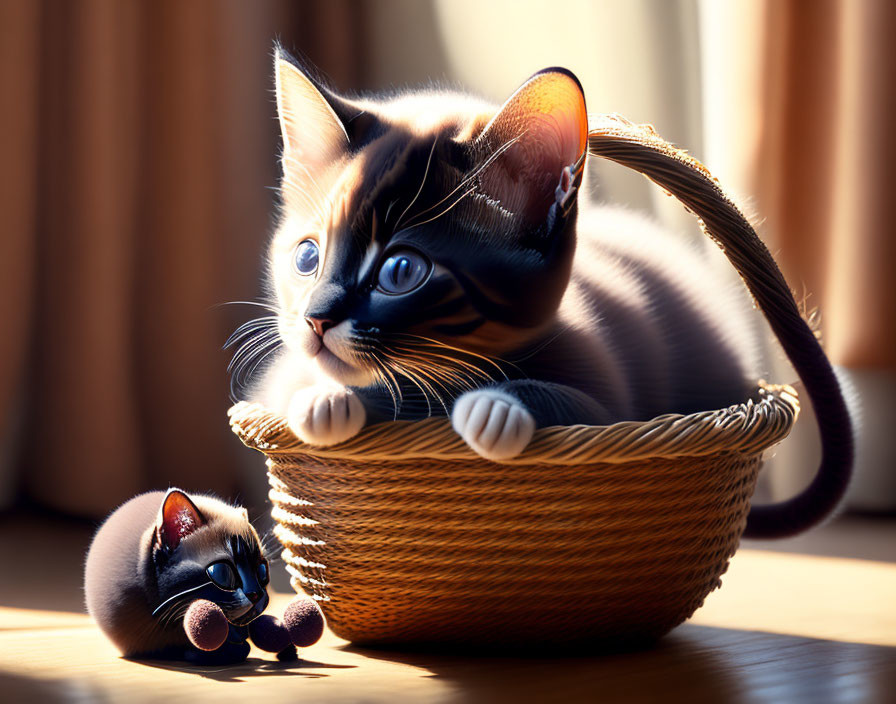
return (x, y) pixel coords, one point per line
(319, 325)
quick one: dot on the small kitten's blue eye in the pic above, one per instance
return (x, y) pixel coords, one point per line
(306, 257)
(222, 575)
(402, 272)
(263, 573)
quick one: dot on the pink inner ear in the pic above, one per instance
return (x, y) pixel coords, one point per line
(525, 177)
(180, 518)
(548, 119)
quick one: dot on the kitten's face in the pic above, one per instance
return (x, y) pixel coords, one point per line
(208, 555)
(423, 234)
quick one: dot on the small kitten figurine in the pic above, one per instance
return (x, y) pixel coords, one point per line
(426, 262)
(162, 556)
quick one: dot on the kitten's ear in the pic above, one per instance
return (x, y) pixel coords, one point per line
(178, 518)
(544, 128)
(312, 122)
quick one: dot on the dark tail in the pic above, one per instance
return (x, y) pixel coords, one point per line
(640, 148)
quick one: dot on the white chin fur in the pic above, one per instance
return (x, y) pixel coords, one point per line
(327, 360)
(334, 368)
(335, 358)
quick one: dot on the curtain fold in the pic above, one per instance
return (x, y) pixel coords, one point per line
(19, 54)
(824, 180)
(137, 170)
(824, 184)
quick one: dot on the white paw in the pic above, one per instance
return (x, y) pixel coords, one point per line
(494, 424)
(325, 415)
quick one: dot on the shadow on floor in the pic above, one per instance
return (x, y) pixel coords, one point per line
(692, 664)
(252, 667)
(852, 535)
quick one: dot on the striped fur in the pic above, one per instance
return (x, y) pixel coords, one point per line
(572, 312)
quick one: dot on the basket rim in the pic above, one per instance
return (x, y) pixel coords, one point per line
(747, 428)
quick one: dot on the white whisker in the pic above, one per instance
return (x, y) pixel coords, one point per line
(478, 170)
(419, 190)
(258, 339)
(436, 217)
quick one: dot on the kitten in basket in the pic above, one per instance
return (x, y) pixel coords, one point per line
(436, 255)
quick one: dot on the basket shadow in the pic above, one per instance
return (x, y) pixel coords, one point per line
(675, 665)
(691, 664)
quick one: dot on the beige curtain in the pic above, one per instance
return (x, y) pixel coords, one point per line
(798, 105)
(138, 141)
(826, 182)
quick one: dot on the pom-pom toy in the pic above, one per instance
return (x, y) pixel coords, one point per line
(206, 625)
(268, 633)
(304, 621)
(208, 629)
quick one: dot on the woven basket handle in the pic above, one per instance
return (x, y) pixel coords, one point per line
(640, 148)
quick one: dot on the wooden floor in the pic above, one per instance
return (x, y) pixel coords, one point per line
(808, 626)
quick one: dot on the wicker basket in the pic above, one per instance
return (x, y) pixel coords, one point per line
(405, 535)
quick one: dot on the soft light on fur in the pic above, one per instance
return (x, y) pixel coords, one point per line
(140, 580)
(539, 308)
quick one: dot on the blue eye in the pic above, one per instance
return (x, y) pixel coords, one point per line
(222, 575)
(403, 272)
(263, 573)
(306, 257)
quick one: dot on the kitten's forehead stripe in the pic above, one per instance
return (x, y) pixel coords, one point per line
(379, 181)
(370, 257)
(387, 176)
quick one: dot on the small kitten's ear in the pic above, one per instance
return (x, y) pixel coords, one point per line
(313, 130)
(178, 518)
(547, 123)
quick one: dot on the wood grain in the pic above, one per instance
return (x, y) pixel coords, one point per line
(783, 628)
